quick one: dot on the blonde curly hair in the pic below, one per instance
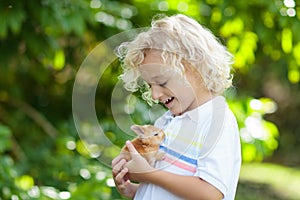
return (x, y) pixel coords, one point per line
(180, 39)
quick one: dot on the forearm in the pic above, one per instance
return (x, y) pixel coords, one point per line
(187, 187)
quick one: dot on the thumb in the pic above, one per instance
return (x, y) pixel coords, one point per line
(131, 148)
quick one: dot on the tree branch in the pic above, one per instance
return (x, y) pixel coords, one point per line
(31, 112)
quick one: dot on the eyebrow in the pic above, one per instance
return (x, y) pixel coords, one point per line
(159, 76)
(156, 77)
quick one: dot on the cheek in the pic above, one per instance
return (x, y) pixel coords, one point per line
(182, 90)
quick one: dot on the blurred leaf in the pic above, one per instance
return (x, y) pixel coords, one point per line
(249, 153)
(5, 138)
(24, 182)
(296, 53)
(3, 27)
(4, 131)
(232, 27)
(286, 40)
(59, 60)
(81, 147)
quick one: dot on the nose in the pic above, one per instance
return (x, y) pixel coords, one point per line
(156, 92)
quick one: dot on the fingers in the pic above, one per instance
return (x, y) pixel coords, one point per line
(120, 178)
(131, 148)
(116, 160)
(118, 166)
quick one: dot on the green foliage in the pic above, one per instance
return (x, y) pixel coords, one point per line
(43, 43)
(259, 137)
(5, 135)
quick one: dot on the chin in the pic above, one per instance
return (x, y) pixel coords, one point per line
(177, 110)
(176, 113)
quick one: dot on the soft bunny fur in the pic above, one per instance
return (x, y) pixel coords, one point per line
(146, 143)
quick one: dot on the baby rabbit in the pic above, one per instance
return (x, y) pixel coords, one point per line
(146, 143)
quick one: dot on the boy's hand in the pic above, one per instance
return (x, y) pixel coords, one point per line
(120, 176)
(137, 166)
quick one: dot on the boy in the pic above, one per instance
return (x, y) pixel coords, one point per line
(187, 70)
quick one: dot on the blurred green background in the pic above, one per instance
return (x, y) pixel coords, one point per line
(44, 42)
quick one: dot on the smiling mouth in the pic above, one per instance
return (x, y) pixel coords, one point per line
(169, 100)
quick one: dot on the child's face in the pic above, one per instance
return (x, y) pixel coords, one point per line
(169, 87)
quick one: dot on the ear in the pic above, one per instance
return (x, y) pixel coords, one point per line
(137, 129)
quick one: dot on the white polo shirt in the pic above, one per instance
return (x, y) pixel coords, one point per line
(203, 142)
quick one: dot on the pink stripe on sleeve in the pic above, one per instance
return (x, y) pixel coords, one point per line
(180, 164)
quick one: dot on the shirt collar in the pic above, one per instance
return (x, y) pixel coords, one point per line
(201, 111)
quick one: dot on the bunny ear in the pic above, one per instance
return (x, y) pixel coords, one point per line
(137, 129)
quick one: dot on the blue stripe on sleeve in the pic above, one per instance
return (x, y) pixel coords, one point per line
(178, 155)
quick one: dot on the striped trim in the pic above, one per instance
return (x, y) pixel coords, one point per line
(181, 165)
(184, 139)
(178, 155)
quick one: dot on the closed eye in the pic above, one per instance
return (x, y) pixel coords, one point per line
(163, 84)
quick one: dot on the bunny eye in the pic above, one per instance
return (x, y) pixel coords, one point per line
(156, 134)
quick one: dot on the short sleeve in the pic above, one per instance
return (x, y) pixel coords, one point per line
(221, 166)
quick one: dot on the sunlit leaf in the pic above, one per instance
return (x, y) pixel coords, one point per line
(232, 27)
(59, 60)
(268, 19)
(249, 152)
(81, 147)
(286, 40)
(268, 105)
(272, 129)
(233, 44)
(24, 182)
(216, 15)
(294, 76)
(296, 53)
(245, 54)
